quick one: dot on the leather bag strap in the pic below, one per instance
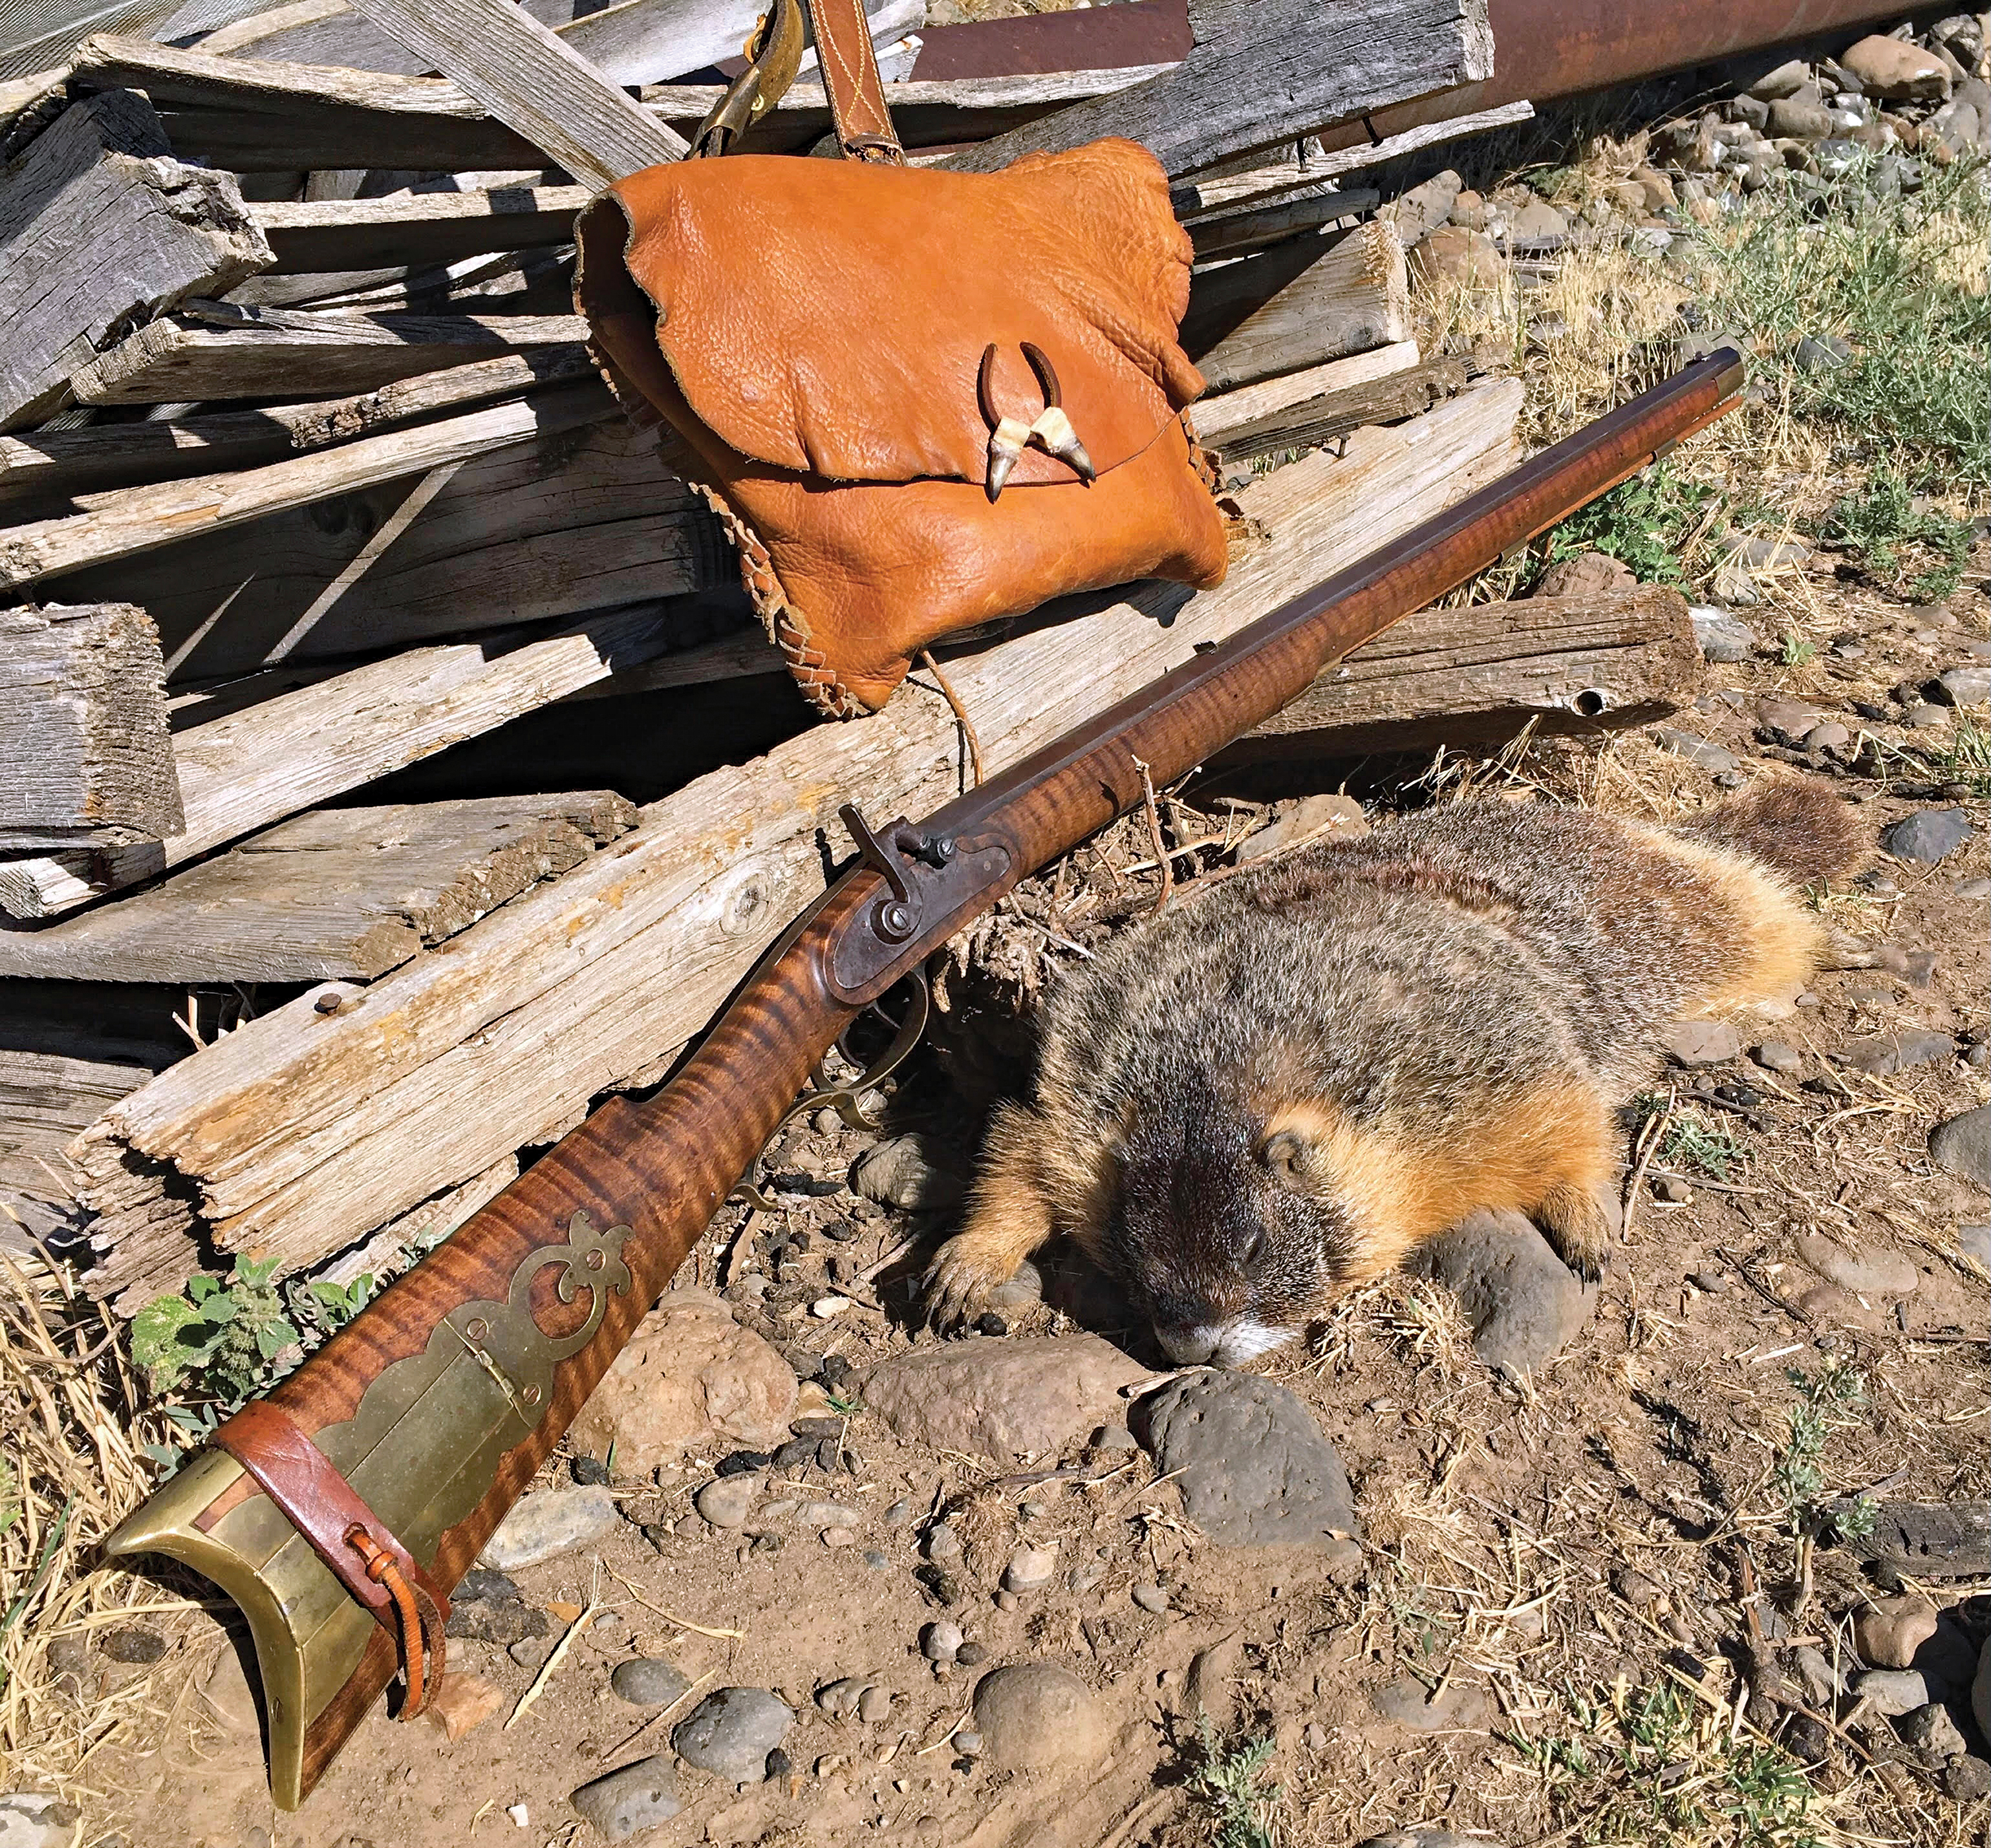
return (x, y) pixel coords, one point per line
(850, 77)
(357, 1546)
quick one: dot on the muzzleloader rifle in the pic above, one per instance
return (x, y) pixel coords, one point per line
(339, 1511)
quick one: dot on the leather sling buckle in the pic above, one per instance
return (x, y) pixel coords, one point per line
(357, 1546)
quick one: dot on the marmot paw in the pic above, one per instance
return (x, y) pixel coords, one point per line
(963, 1272)
(1581, 1224)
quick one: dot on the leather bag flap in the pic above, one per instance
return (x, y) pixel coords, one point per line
(830, 317)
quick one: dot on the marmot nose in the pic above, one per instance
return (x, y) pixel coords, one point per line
(1188, 1343)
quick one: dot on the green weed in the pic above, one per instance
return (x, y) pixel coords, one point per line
(1889, 536)
(1650, 1767)
(1227, 1780)
(1965, 758)
(1901, 279)
(1797, 650)
(1645, 523)
(221, 1340)
(1829, 1401)
(1711, 1148)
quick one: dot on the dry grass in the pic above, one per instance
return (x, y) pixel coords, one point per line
(70, 1408)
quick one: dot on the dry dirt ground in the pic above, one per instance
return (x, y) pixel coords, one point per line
(1568, 1584)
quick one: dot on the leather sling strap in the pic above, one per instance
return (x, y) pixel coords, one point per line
(850, 77)
(358, 1548)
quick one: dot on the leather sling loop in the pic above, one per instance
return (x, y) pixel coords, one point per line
(357, 1546)
(858, 111)
(851, 79)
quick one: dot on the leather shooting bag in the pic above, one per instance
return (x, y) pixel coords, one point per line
(919, 400)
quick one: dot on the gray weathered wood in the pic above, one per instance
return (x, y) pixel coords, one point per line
(211, 351)
(246, 769)
(589, 519)
(1235, 233)
(416, 229)
(927, 113)
(452, 1062)
(1310, 299)
(80, 465)
(342, 892)
(101, 227)
(636, 42)
(1219, 414)
(84, 755)
(46, 1100)
(256, 115)
(1326, 415)
(169, 513)
(1257, 183)
(1267, 71)
(533, 82)
(1483, 672)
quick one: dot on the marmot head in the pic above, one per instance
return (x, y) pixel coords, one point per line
(1227, 1223)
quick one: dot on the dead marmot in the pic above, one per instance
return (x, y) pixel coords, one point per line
(1281, 1088)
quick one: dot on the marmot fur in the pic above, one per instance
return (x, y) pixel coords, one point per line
(1279, 1090)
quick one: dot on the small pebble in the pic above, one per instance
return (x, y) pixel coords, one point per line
(967, 1743)
(1893, 1692)
(942, 1544)
(825, 1307)
(1030, 1569)
(1006, 1600)
(589, 1473)
(898, 1513)
(941, 1641)
(1150, 1597)
(726, 1501)
(648, 1681)
(1778, 1055)
(990, 1323)
(876, 1561)
(874, 1706)
(1932, 1731)
(972, 1655)
(1714, 1282)
(1672, 1189)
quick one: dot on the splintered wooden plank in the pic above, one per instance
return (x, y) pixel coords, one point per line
(1325, 415)
(421, 229)
(454, 1061)
(1485, 671)
(339, 892)
(1221, 414)
(1263, 72)
(926, 113)
(533, 81)
(85, 758)
(46, 1099)
(587, 519)
(101, 226)
(51, 464)
(636, 42)
(256, 115)
(171, 513)
(243, 770)
(1311, 299)
(218, 352)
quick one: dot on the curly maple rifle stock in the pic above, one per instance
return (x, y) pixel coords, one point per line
(440, 1400)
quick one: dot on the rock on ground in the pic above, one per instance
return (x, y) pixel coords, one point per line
(1408, 1702)
(1897, 71)
(648, 1681)
(1875, 1273)
(903, 1173)
(1039, 1716)
(28, 1819)
(691, 1377)
(464, 1703)
(1893, 1692)
(1694, 1043)
(1890, 1631)
(1962, 1145)
(1586, 574)
(1724, 639)
(1003, 1399)
(1525, 1304)
(1253, 1466)
(1337, 817)
(1927, 837)
(548, 1523)
(638, 1796)
(730, 1732)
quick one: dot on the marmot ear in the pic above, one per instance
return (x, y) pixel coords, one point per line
(1289, 1156)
